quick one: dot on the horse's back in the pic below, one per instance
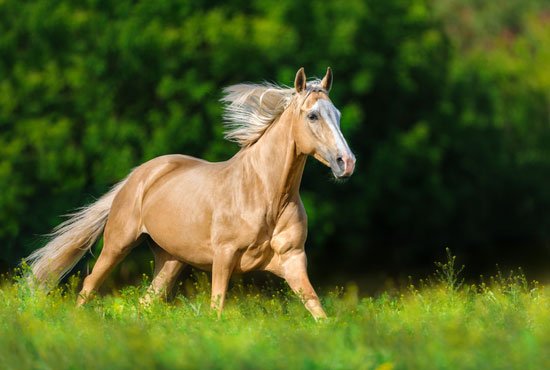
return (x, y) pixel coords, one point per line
(166, 163)
(159, 168)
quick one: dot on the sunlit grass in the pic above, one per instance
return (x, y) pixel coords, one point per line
(503, 323)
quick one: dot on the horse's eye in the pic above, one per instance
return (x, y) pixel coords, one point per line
(312, 116)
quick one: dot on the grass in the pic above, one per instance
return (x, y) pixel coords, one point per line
(503, 323)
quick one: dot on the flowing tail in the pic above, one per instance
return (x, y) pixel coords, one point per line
(70, 240)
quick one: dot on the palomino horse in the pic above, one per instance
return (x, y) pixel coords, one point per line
(240, 215)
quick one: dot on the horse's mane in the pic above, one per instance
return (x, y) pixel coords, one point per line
(251, 108)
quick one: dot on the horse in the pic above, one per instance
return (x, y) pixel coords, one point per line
(228, 217)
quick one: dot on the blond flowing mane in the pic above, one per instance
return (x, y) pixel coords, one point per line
(251, 108)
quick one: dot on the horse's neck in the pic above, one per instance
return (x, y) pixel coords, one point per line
(275, 165)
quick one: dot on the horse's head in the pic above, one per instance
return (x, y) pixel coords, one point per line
(317, 126)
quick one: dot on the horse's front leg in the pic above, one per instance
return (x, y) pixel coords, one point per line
(222, 267)
(292, 266)
(295, 273)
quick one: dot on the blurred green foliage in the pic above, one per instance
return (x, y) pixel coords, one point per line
(446, 104)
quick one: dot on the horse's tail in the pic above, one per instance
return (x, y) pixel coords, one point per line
(70, 240)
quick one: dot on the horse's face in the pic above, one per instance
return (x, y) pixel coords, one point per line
(317, 127)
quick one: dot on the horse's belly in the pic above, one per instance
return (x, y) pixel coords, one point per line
(186, 240)
(182, 233)
(193, 254)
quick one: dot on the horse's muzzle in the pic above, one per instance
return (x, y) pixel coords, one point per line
(345, 164)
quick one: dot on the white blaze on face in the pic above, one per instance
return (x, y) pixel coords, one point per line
(331, 116)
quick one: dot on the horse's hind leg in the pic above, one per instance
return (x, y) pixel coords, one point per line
(118, 241)
(167, 270)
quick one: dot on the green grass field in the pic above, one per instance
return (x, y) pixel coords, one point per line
(501, 324)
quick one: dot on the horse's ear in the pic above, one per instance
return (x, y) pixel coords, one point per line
(300, 80)
(326, 83)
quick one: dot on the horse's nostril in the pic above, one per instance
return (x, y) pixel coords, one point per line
(340, 163)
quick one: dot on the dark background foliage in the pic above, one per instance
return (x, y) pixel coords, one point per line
(445, 103)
